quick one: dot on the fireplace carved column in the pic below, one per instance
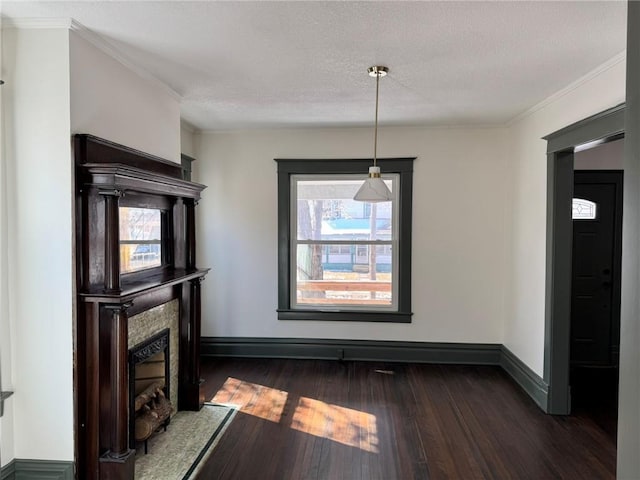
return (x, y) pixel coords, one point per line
(194, 352)
(112, 241)
(190, 234)
(189, 397)
(118, 461)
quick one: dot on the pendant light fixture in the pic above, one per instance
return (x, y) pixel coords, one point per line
(374, 189)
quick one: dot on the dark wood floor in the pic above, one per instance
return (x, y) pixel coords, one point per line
(307, 419)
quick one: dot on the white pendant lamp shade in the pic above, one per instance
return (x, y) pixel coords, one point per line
(373, 189)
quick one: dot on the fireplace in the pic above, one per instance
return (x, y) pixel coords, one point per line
(126, 297)
(153, 342)
(150, 406)
(146, 326)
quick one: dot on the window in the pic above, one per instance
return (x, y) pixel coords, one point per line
(340, 259)
(140, 239)
(338, 248)
(582, 209)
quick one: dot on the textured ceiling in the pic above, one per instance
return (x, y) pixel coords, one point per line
(299, 63)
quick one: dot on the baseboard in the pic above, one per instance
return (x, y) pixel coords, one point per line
(19, 469)
(364, 350)
(8, 472)
(383, 351)
(530, 382)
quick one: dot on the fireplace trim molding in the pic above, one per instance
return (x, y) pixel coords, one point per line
(105, 173)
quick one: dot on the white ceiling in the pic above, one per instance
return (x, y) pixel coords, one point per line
(298, 63)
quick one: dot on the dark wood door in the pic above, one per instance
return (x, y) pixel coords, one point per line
(595, 296)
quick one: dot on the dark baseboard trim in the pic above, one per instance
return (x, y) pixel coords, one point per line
(324, 349)
(19, 469)
(530, 382)
(8, 472)
(382, 351)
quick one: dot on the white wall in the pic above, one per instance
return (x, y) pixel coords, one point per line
(40, 269)
(472, 267)
(111, 101)
(524, 327)
(6, 384)
(458, 231)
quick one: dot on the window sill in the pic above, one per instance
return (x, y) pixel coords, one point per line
(352, 316)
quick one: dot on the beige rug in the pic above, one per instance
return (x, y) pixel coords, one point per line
(178, 453)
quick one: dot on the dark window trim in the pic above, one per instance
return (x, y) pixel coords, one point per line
(288, 167)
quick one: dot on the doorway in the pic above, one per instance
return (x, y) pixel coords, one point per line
(595, 294)
(601, 128)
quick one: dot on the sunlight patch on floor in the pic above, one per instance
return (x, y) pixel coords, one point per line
(343, 425)
(253, 399)
(339, 424)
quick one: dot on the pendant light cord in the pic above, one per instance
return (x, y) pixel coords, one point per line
(375, 135)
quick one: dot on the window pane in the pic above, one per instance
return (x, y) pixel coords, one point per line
(325, 210)
(140, 224)
(582, 209)
(138, 256)
(342, 275)
(355, 275)
(140, 238)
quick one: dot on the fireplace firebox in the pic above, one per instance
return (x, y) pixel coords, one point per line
(149, 388)
(124, 270)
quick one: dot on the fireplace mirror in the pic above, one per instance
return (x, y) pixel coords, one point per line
(140, 239)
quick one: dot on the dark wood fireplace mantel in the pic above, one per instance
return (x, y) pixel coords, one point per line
(109, 176)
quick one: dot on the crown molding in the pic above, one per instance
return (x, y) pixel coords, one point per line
(619, 58)
(100, 43)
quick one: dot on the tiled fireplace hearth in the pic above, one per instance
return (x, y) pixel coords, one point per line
(134, 281)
